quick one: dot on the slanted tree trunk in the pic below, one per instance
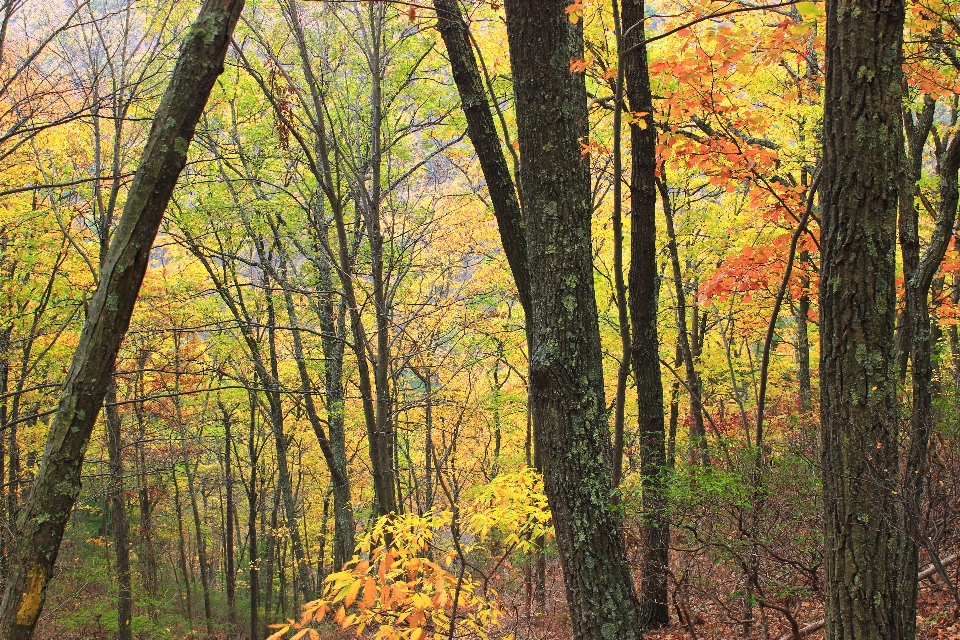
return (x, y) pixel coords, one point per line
(566, 369)
(57, 484)
(483, 134)
(645, 347)
(505, 197)
(858, 382)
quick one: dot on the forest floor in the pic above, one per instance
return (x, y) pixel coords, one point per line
(938, 618)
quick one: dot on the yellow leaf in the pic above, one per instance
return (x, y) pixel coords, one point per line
(278, 634)
(352, 593)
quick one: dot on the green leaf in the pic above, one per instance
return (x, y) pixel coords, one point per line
(809, 9)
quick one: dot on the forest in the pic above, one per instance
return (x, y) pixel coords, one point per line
(479, 319)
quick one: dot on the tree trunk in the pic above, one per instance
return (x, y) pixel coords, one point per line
(118, 508)
(252, 509)
(187, 574)
(4, 383)
(146, 554)
(284, 481)
(921, 418)
(803, 344)
(686, 338)
(201, 547)
(55, 489)
(566, 368)
(334, 456)
(858, 390)
(231, 573)
(483, 134)
(645, 349)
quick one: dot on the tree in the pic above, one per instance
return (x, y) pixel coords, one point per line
(57, 484)
(566, 369)
(858, 391)
(644, 298)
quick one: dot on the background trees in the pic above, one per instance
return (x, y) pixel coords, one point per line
(337, 343)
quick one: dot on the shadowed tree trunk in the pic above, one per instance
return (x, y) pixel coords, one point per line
(645, 348)
(917, 328)
(858, 390)
(566, 373)
(57, 484)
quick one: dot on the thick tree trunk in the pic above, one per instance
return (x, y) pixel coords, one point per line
(858, 390)
(644, 295)
(118, 510)
(57, 484)
(566, 373)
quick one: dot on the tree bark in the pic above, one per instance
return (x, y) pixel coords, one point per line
(921, 417)
(566, 373)
(55, 489)
(645, 347)
(858, 390)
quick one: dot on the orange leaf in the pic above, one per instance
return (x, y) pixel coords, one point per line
(369, 593)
